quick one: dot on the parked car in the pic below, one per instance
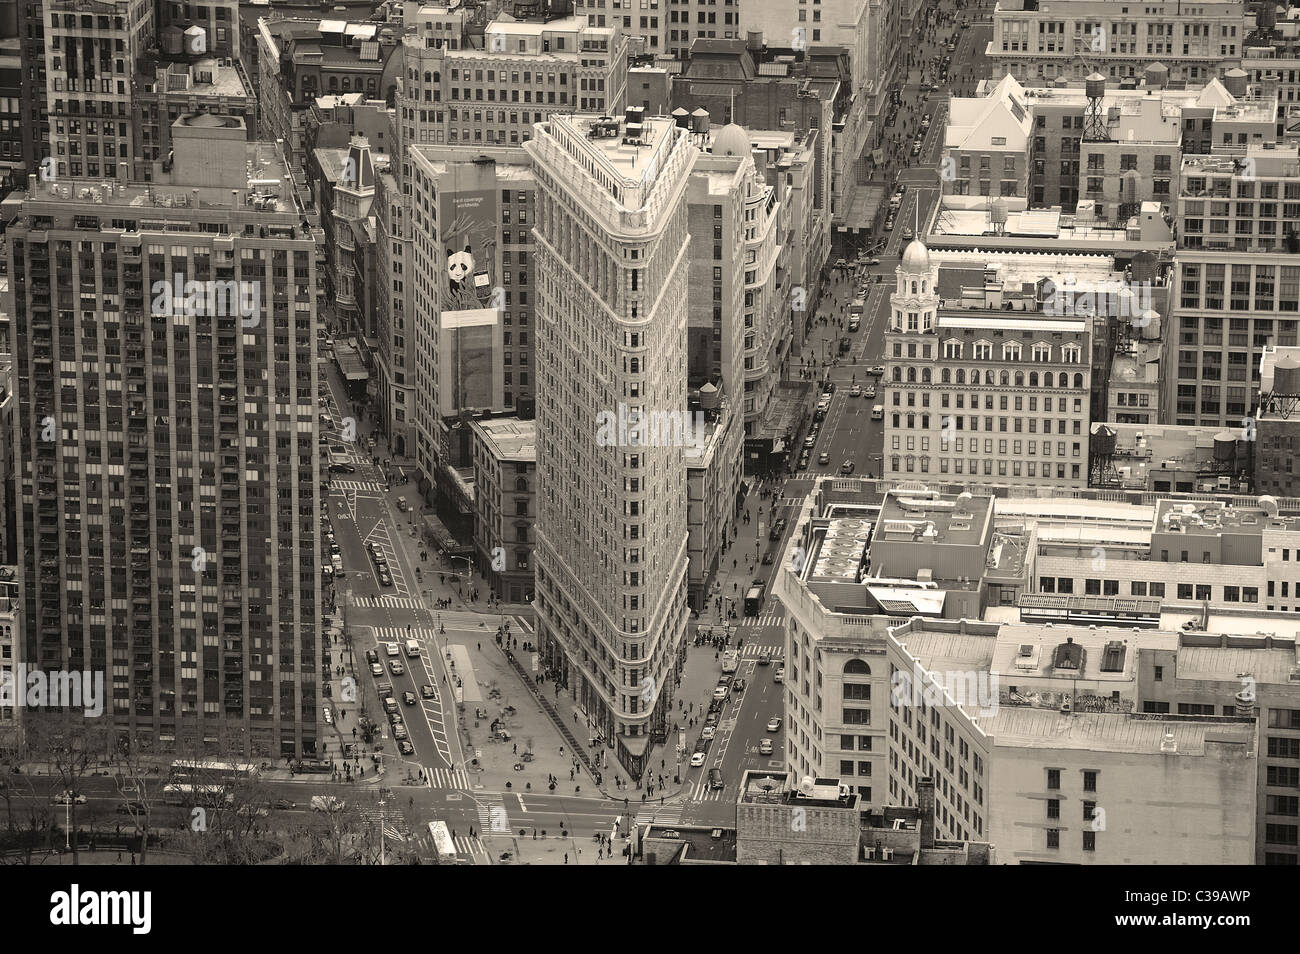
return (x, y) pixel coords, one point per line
(385, 578)
(376, 669)
(778, 528)
(721, 692)
(803, 462)
(392, 649)
(401, 504)
(399, 732)
(697, 759)
(390, 705)
(810, 440)
(408, 697)
(405, 747)
(765, 747)
(779, 675)
(372, 656)
(708, 732)
(768, 558)
(907, 234)
(701, 744)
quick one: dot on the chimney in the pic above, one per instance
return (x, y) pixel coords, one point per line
(925, 805)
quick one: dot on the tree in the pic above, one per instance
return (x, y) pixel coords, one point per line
(71, 744)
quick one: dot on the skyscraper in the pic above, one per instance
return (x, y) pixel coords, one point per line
(166, 444)
(611, 241)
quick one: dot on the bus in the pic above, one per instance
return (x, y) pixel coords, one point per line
(179, 793)
(443, 845)
(753, 600)
(210, 771)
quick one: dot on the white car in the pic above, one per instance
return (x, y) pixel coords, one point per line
(780, 675)
(765, 747)
(70, 797)
(697, 759)
(709, 732)
(391, 649)
(855, 391)
(720, 692)
(774, 724)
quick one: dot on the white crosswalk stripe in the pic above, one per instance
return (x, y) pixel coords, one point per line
(470, 847)
(369, 486)
(767, 619)
(753, 651)
(664, 815)
(492, 815)
(396, 602)
(448, 778)
(400, 634)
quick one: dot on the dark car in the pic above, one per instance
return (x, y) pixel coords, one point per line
(131, 808)
(778, 528)
(715, 779)
(765, 660)
(283, 804)
(803, 462)
(405, 747)
(845, 344)
(701, 745)
(409, 698)
(372, 656)
(738, 686)
(428, 692)
(768, 558)
(337, 468)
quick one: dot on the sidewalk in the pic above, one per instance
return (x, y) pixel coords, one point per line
(551, 851)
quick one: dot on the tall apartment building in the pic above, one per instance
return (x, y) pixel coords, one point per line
(90, 64)
(1230, 306)
(1277, 422)
(470, 81)
(168, 515)
(13, 165)
(613, 245)
(984, 380)
(1073, 38)
(34, 103)
(467, 340)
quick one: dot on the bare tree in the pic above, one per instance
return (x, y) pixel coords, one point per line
(71, 745)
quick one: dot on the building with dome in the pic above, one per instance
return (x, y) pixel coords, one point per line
(983, 381)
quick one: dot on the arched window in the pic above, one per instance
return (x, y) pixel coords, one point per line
(1078, 380)
(1020, 379)
(898, 373)
(856, 667)
(925, 375)
(911, 375)
(437, 76)
(988, 376)
(961, 375)
(1033, 379)
(428, 77)
(1004, 378)
(1047, 379)
(945, 375)
(521, 484)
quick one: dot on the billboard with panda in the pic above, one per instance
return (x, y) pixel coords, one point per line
(470, 327)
